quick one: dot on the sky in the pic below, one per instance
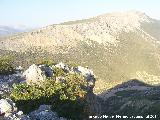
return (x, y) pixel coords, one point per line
(39, 13)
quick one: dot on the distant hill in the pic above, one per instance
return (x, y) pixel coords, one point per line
(9, 30)
(118, 46)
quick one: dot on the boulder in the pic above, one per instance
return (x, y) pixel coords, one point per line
(4, 88)
(47, 70)
(5, 106)
(88, 74)
(8, 111)
(44, 113)
(62, 66)
(16, 116)
(10, 79)
(34, 75)
(84, 71)
(19, 69)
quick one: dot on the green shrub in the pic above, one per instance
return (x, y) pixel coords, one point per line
(6, 65)
(47, 62)
(58, 72)
(76, 83)
(64, 97)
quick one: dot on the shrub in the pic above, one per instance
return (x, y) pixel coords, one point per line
(58, 72)
(6, 65)
(76, 83)
(64, 97)
(47, 62)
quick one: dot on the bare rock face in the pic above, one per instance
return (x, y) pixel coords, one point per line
(5, 106)
(44, 113)
(47, 70)
(88, 74)
(8, 111)
(34, 75)
(60, 65)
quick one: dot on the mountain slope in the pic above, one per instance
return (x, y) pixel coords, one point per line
(131, 98)
(117, 46)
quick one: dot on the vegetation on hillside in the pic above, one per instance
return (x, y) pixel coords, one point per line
(6, 65)
(132, 98)
(47, 62)
(120, 63)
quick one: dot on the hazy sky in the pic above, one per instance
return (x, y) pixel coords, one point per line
(44, 12)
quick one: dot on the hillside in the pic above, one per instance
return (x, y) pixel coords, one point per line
(132, 98)
(117, 46)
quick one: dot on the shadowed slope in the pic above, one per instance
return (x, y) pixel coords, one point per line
(131, 98)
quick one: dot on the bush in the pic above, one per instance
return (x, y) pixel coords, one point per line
(6, 65)
(77, 84)
(64, 97)
(47, 62)
(58, 72)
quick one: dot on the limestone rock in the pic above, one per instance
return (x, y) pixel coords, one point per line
(44, 113)
(5, 106)
(47, 70)
(84, 71)
(19, 70)
(16, 116)
(8, 111)
(34, 75)
(62, 66)
(88, 74)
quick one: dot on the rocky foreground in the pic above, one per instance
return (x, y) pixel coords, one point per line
(10, 112)
(36, 74)
(129, 98)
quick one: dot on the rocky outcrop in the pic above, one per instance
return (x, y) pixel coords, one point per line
(34, 75)
(12, 78)
(47, 70)
(44, 113)
(8, 111)
(6, 81)
(88, 74)
(61, 65)
(6, 106)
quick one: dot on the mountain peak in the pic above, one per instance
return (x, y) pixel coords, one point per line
(127, 20)
(126, 13)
